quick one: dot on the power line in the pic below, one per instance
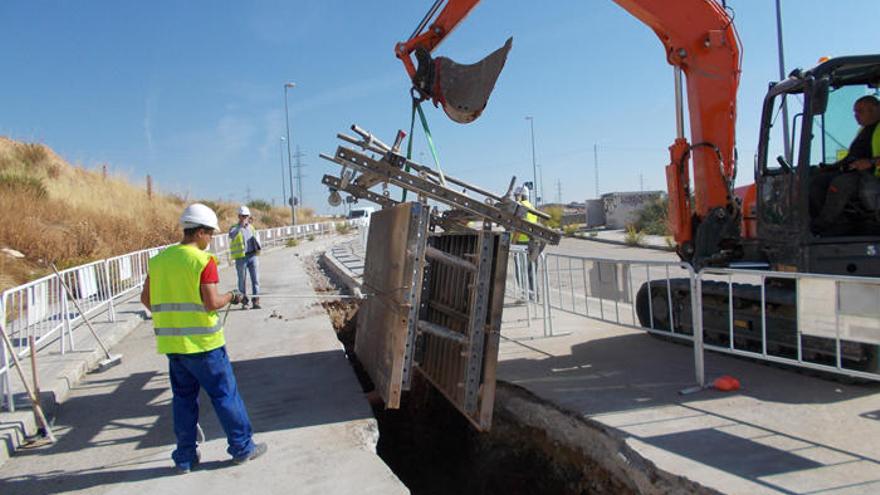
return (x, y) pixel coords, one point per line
(299, 176)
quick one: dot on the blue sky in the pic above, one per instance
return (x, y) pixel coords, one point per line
(192, 92)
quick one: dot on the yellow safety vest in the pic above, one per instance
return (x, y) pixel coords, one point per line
(180, 321)
(875, 147)
(530, 217)
(237, 247)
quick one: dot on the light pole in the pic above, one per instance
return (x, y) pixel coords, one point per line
(289, 85)
(785, 138)
(283, 184)
(534, 165)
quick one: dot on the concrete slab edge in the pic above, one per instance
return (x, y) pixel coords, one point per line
(340, 273)
(620, 243)
(18, 426)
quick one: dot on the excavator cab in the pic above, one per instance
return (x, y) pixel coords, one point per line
(791, 189)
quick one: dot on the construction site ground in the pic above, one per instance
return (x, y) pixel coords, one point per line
(114, 428)
(595, 409)
(784, 431)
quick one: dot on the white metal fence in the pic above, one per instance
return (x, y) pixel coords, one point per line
(41, 309)
(823, 322)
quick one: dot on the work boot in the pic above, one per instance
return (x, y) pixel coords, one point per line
(186, 467)
(256, 304)
(244, 302)
(259, 449)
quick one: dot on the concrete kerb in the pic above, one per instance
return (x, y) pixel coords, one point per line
(340, 273)
(608, 240)
(16, 427)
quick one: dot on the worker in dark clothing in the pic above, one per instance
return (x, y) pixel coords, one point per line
(830, 191)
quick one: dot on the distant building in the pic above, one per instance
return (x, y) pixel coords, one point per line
(620, 207)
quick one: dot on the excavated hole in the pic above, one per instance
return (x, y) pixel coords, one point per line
(533, 446)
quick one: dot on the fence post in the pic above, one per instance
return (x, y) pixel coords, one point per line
(65, 318)
(697, 318)
(6, 384)
(111, 312)
(548, 316)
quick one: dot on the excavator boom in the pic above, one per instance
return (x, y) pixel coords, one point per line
(701, 42)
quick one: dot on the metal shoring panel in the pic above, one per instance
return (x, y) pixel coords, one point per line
(493, 331)
(416, 249)
(479, 307)
(384, 338)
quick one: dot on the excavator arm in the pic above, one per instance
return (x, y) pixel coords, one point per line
(700, 40)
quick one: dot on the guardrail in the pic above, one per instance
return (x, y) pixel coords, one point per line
(41, 308)
(822, 322)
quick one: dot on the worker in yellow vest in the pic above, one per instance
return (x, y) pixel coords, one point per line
(838, 184)
(244, 246)
(181, 291)
(521, 195)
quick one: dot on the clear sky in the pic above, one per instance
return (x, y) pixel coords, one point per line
(192, 92)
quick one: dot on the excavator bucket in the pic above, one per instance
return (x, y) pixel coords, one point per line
(464, 89)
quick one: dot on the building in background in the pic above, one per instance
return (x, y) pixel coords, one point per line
(620, 207)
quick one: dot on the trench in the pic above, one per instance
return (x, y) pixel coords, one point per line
(532, 447)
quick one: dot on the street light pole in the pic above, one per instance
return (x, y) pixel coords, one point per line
(534, 165)
(289, 169)
(283, 184)
(785, 138)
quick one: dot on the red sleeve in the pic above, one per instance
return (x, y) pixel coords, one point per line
(209, 274)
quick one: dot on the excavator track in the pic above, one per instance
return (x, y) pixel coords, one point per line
(780, 316)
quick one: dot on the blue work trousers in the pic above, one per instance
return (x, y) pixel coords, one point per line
(249, 264)
(212, 371)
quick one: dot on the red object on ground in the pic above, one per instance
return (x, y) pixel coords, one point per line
(726, 383)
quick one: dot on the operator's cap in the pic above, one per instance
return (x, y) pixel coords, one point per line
(244, 210)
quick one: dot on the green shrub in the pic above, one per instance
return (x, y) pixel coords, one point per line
(259, 204)
(31, 186)
(634, 237)
(652, 218)
(555, 220)
(343, 228)
(310, 238)
(569, 230)
(292, 243)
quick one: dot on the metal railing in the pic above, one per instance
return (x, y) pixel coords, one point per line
(822, 322)
(608, 290)
(41, 309)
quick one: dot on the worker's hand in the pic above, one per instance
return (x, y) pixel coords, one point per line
(237, 297)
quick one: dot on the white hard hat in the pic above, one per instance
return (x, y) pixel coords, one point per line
(198, 215)
(244, 210)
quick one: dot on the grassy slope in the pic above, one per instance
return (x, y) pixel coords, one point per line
(53, 211)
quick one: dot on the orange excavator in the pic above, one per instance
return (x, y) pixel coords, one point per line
(700, 41)
(765, 225)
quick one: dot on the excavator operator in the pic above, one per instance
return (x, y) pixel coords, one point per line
(838, 184)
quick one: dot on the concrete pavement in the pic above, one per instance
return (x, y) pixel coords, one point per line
(115, 428)
(783, 432)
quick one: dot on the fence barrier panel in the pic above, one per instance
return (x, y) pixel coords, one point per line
(41, 309)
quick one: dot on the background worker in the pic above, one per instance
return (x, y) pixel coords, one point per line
(181, 292)
(832, 189)
(244, 248)
(521, 195)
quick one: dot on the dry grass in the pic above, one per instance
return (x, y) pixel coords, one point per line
(53, 211)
